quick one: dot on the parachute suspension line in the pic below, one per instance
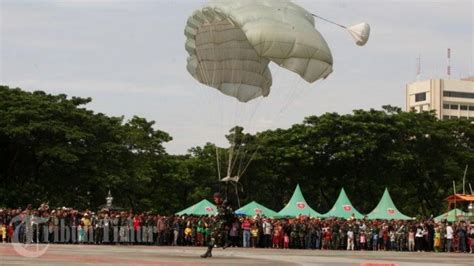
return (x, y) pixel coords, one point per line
(289, 98)
(232, 145)
(360, 32)
(242, 162)
(242, 157)
(237, 192)
(251, 159)
(206, 80)
(229, 164)
(242, 151)
(234, 120)
(329, 21)
(295, 93)
(218, 164)
(277, 94)
(252, 115)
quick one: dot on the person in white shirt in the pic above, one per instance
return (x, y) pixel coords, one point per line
(350, 239)
(449, 236)
(419, 238)
(267, 233)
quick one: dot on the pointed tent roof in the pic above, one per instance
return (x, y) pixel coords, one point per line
(387, 210)
(451, 215)
(298, 206)
(343, 208)
(254, 208)
(204, 207)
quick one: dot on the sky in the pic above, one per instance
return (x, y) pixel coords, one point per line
(129, 57)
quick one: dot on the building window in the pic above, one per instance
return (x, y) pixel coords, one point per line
(463, 107)
(454, 106)
(471, 108)
(445, 106)
(419, 97)
(445, 117)
(458, 94)
(463, 117)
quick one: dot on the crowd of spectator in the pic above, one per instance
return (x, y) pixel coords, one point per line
(67, 225)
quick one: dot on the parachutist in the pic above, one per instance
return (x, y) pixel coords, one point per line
(220, 225)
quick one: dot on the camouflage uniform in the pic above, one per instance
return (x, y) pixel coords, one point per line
(294, 235)
(335, 236)
(401, 237)
(220, 227)
(302, 231)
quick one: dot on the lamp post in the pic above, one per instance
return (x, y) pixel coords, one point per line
(109, 199)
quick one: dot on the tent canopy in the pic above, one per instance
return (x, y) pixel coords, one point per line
(254, 208)
(298, 206)
(460, 198)
(451, 215)
(202, 208)
(386, 210)
(343, 208)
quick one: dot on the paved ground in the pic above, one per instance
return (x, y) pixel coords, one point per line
(143, 255)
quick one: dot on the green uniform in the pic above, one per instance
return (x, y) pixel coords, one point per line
(220, 227)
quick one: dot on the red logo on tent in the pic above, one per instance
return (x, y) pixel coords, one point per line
(390, 211)
(347, 208)
(209, 209)
(300, 205)
(257, 211)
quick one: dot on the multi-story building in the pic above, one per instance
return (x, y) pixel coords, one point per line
(449, 98)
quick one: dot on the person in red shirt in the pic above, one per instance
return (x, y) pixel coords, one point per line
(10, 232)
(246, 233)
(136, 228)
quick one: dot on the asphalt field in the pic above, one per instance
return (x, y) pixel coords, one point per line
(152, 255)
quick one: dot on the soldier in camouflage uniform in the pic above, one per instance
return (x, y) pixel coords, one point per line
(302, 233)
(401, 237)
(335, 235)
(220, 225)
(294, 234)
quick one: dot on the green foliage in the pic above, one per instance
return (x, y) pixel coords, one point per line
(53, 149)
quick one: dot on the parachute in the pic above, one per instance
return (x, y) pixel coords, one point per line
(360, 33)
(231, 43)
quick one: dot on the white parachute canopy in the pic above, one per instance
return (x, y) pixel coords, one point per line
(360, 33)
(230, 44)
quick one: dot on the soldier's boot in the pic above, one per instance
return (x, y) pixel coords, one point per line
(208, 253)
